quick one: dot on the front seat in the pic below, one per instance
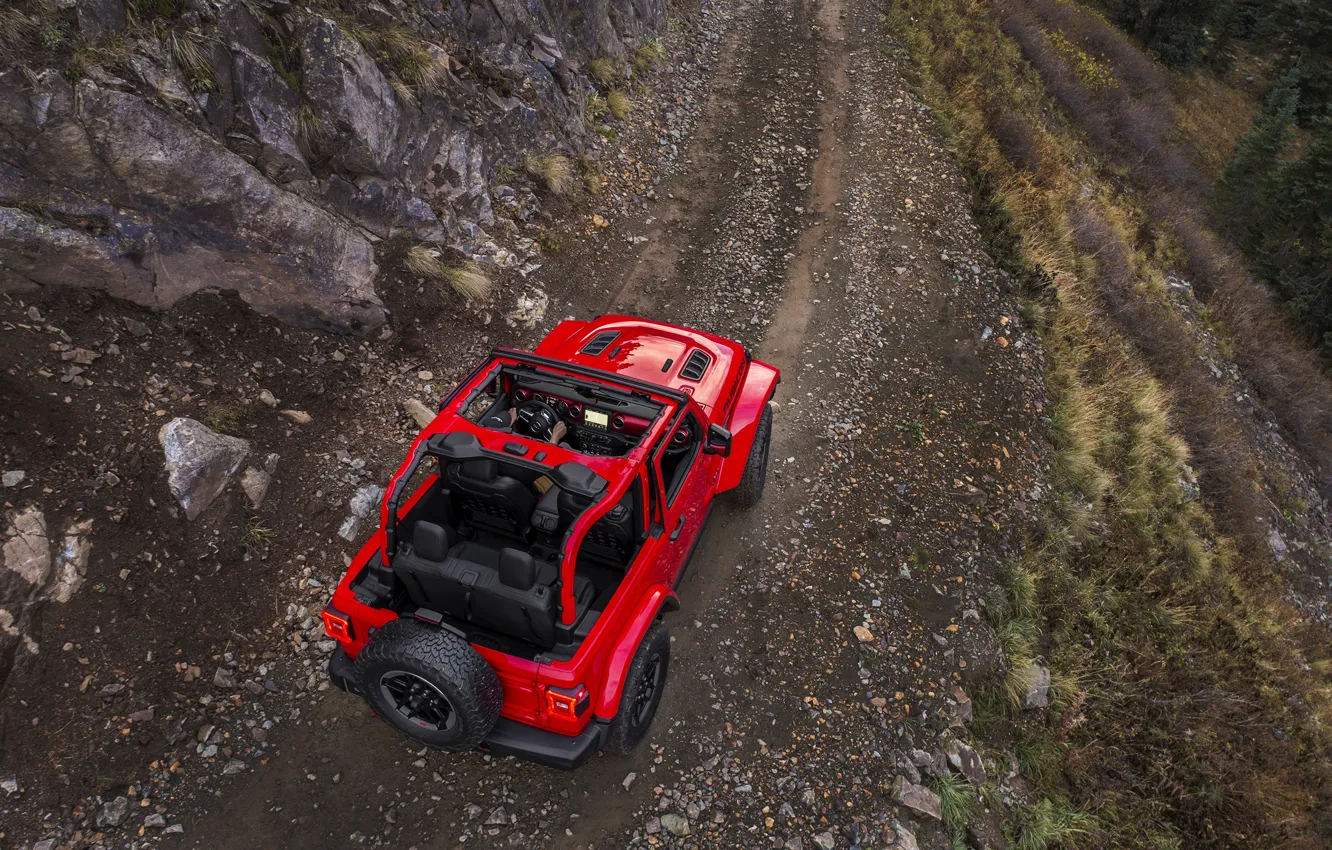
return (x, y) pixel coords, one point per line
(488, 501)
(611, 538)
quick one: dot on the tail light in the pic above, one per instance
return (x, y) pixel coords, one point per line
(337, 624)
(567, 702)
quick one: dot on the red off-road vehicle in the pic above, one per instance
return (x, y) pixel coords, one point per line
(528, 547)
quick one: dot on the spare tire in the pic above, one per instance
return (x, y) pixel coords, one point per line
(430, 685)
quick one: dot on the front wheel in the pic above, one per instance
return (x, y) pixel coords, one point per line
(750, 489)
(643, 686)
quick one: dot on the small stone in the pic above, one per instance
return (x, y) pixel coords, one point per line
(154, 821)
(420, 414)
(473, 811)
(111, 689)
(224, 678)
(300, 417)
(675, 824)
(863, 634)
(175, 829)
(44, 844)
(653, 826)
(497, 817)
(142, 716)
(824, 840)
(233, 767)
(13, 478)
(136, 328)
(916, 798)
(426, 375)
(113, 812)
(267, 399)
(10, 786)
(629, 780)
(338, 356)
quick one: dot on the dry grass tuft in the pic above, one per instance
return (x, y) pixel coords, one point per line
(467, 280)
(618, 103)
(554, 171)
(604, 71)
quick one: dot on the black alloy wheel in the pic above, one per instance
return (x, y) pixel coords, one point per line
(419, 702)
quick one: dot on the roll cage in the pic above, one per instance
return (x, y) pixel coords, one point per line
(452, 436)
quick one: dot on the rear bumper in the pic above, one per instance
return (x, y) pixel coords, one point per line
(509, 737)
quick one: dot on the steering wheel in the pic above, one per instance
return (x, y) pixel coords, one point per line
(536, 419)
(680, 440)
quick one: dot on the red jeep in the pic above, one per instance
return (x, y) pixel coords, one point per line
(531, 542)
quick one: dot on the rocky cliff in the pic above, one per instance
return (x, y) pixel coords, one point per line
(157, 148)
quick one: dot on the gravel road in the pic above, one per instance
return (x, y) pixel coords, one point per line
(827, 637)
(817, 219)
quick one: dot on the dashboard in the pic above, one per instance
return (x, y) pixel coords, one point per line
(597, 425)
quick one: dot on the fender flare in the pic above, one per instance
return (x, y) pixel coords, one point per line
(759, 386)
(657, 599)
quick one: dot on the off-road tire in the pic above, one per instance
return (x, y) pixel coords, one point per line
(404, 649)
(750, 489)
(629, 728)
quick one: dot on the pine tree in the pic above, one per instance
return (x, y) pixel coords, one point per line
(1243, 188)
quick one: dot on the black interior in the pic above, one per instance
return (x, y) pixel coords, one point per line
(481, 549)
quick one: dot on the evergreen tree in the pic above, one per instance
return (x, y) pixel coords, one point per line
(1244, 185)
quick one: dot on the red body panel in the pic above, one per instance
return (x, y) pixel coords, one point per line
(732, 393)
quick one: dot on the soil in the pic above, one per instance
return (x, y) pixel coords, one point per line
(814, 216)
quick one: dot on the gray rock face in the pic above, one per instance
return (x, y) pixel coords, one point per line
(158, 187)
(31, 576)
(199, 462)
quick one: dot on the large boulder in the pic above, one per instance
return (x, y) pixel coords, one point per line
(200, 462)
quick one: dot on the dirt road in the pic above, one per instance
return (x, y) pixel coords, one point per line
(818, 220)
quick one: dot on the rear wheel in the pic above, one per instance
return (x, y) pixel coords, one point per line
(750, 489)
(430, 685)
(643, 686)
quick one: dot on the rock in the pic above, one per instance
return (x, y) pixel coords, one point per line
(44, 844)
(154, 821)
(420, 414)
(113, 812)
(497, 817)
(903, 838)
(985, 831)
(939, 640)
(863, 634)
(225, 679)
(141, 716)
(965, 760)
(267, 399)
(96, 17)
(111, 689)
(266, 110)
(824, 841)
(963, 712)
(13, 478)
(916, 798)
(675, 824)
(25, 569)
(255, 483)
(300, 417)
(932, 763)
(10, 786)
(175, 829)
(233, 767)
(363, 503)
(1275, 542)
(136, 328)
(199, 462)
(629, 780)
(1038, 689)
(72, 561)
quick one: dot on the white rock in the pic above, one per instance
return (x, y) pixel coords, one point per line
(13, 478)
(420, 414)
(72, 561)
(255, 482)
(199, 462)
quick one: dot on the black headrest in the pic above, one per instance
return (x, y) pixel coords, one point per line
(517, 569)
(430, 541)
(482, 469)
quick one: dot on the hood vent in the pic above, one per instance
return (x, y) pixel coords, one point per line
(695, 366)
(599, 343)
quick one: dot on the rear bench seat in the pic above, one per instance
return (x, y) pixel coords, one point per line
(504, 590)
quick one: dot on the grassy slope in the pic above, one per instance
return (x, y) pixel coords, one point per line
(1184, 713)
